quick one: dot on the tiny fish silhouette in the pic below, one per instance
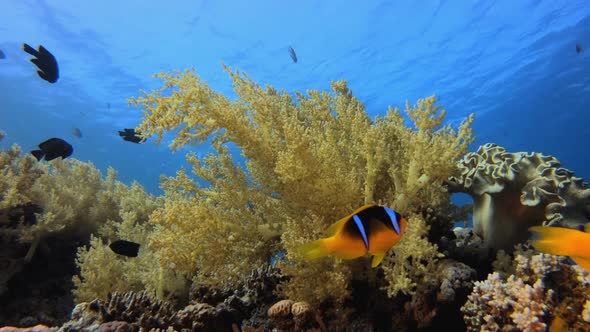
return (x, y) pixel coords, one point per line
(53, 148)
(77, 132)
(2, 55)
(292, 54)
(579, 48)
(125, 248)
(130, 135)
(45, 61)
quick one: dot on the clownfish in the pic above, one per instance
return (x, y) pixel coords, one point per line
(564, 242)
(370, 229)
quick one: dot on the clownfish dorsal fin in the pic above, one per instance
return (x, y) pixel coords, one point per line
(362, 208)
(333, 229)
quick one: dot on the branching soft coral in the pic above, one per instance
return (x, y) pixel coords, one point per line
(413, 260)
(103, 272)
(309, 161)
(70, 201)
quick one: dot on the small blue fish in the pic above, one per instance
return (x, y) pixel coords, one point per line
(77, 132)
(292, 54)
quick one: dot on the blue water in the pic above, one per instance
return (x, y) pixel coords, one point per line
(513, 63)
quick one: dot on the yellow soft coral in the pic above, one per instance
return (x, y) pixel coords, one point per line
(413, 260)
(72, 200)
(309, 161)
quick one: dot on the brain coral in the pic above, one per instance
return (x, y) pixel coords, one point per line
(514, 191)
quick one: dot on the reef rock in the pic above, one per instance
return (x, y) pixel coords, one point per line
(514, 191)
(210, 309)
(139, 310)
(36, 328)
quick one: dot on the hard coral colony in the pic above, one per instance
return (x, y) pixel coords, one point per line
(309, 160)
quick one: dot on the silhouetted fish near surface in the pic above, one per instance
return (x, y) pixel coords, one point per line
(125, 248)
(45, 61)
(76, 132)
(2, 55)
(292, 54)
(130, 135)
(579, 48)
(53, 148)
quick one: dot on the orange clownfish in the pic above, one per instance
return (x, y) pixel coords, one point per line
(564, 242)
(370, 229)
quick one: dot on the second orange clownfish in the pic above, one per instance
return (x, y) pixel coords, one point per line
(564, 242)
(370, 229)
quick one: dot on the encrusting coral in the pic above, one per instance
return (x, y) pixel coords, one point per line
(308, 162)
(208, 309)
(528, 293)
(493, 298)
(514, 191)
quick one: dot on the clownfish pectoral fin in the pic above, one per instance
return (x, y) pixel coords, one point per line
(377, 258)
(314, 250)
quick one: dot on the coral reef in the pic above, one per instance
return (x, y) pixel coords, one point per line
(306, 161)
(514, 191)
(48, 210)
(493, 298)
(36, 328)
(210, 309)
(528, 293)
(309, 160)
(414, 260)
(287, 315)
(140, 310)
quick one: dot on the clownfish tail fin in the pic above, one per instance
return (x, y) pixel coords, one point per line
(314, 250)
